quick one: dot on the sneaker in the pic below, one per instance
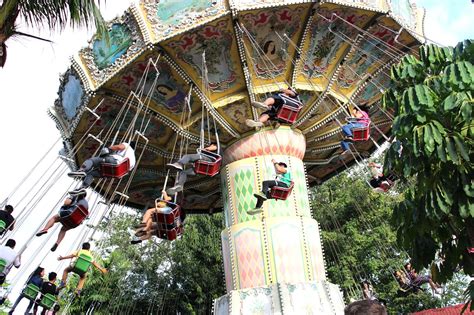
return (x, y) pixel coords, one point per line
(253, 123)
(62, 285)
(255, 211)
(260, 195)
(77, 174)
(135, 240)
(175, 165)
(174, 190)
(55, 246)
(348, 138)
(77, 192)
(259, 105)
(42, 232)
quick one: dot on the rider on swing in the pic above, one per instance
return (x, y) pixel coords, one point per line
(189, 159)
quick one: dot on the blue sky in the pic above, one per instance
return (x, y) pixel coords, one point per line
(448, 21)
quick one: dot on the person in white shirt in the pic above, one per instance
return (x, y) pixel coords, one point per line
(91, 167)
(10, 257)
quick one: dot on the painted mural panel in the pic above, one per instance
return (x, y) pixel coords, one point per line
(327, 40)
(250, 257)
(371, 91)
(258, 301)
(285, 240)
(236, 113)
(264, 42)
(72, 96)
(217, 40)
(120, 39)
(306, 298)
(170, 91)
(168, 17)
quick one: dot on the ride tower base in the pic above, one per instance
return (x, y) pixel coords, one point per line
(273, 261)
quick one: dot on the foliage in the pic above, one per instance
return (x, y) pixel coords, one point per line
(360, 243)
(157, 276)
(432, 98)
(51, 13)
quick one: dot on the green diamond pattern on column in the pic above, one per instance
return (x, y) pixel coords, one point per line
(301, 192)
(244, 188)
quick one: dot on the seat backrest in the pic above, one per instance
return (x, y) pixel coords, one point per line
(31, 291)
(212, 155)
(3, 225)
(76, 217)
(83, 263)
(3, 264)
(48, 300)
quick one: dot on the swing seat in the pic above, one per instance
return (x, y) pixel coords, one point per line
(3, 264)
(168, 225)
(3, 226)
(169, 234)
(361, 134)
(168, 217)
(281, 193)
(47, 301)
(31, 291)
(75, 218)
(289, 111)
(208, 168)
(82, 264)
(118, 171)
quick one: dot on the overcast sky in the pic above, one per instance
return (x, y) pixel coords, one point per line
(30, 79)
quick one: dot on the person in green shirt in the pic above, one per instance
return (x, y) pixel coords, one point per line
(283, 179)
(82, 275)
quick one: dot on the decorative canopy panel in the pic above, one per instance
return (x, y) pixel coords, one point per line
(335, 53)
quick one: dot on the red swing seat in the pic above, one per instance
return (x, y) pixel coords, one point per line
(75, 218)
(282, 193)
(168, 226)
(115, 170)
(360, 134)
(290, 109)
(208, 168)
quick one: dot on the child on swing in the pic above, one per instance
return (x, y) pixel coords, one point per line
(283, 179)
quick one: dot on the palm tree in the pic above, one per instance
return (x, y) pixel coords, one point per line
(51, 13)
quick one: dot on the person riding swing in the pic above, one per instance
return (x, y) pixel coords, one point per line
(115, 154)
(71, 204)
(273, 104)
(80, 266)
(7, 221)
(283, 179)
(189, 159)
(359, 119)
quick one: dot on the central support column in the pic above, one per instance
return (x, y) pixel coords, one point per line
(273, 261)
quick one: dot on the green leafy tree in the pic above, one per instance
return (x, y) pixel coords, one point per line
(432, 97)
(360, 243)
(51, 13)
(157, 276)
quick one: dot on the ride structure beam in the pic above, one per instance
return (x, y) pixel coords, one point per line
(273, 260)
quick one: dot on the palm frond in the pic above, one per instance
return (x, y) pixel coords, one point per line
(56, 14)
